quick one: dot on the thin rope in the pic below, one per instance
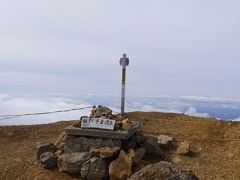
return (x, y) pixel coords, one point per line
(10, 116)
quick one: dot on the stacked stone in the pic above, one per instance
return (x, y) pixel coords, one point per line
(105, 158)
(122, 122)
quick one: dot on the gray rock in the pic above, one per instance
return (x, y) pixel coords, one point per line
(72, 162)
(45, 147)
(152, 147)
(82, 144)
(94, 169)
(166, 142)
(165, 171)
(48, 160)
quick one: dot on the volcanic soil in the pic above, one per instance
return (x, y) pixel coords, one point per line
(215, 145)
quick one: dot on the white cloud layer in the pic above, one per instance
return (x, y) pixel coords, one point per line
(31, 103)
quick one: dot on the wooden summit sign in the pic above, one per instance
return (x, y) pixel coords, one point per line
(98, 123)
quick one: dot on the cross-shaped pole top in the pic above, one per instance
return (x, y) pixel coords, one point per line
(124, 61)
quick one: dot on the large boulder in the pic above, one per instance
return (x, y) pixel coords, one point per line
(183, 148)
(94, 169)
(104, 152)
(45, 147)
(83, 144)
(72, 162)
(163, 171)
(120, 168)
(48, 160)
(152, 147)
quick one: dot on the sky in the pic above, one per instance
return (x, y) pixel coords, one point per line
(176, 48)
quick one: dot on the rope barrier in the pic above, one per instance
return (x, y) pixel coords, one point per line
(11, 116)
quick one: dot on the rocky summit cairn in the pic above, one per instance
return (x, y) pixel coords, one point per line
(111, 146)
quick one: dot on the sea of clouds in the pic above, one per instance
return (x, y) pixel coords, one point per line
(221, 108)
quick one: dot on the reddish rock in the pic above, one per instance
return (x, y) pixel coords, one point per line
(120, 168)
(104, 152)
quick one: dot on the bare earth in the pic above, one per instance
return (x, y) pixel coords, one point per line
(215, 143)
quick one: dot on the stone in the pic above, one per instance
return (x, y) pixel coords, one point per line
(104, 152)
(100, 111)
(183, 148)
(77, 124)
(176, 160)
(45, 147)
(48, 160)
(138, 138)
(72, 162)
(58, 153)
(94, 169)
(166, 142)
(120, 168)
(83, 144)
(136, 154)
(61, 139)
(126, 124)
(152, 147)
(163, 170)
(99, 133)
(128, 144)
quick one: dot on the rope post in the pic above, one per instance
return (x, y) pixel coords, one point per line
(124, 62)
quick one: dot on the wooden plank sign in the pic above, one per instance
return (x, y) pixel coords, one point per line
(98, 123)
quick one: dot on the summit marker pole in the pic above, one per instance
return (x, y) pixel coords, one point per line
(124, 62)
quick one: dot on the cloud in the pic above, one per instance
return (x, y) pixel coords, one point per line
(193, 112)
(22, 105)
(39, 102)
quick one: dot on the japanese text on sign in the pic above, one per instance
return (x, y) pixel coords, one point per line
(98, 123)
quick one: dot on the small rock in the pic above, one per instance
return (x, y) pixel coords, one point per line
(136, 155)
(165, 141)
(152, 147)
(72, 162)
(100, 111)
(77, 124)
(61, 139)
(48, 160)
(45, 147)
(58, 153)
(126, 124)
(94, 169)
(163, 170)
(183, 148)
(104, 152)
(120, 168)
(176, 160)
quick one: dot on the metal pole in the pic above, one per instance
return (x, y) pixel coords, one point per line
(124, 62)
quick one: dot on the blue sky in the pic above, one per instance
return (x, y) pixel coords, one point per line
(175, 47)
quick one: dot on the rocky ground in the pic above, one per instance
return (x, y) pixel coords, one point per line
(214, 144)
